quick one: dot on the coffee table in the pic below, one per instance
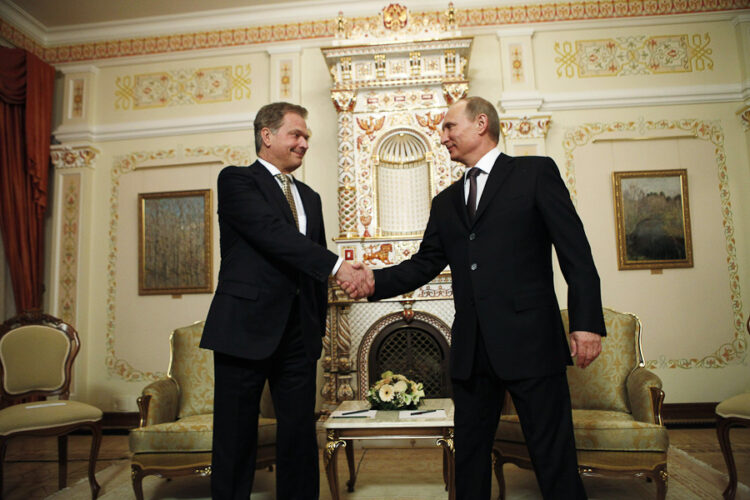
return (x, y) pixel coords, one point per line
(387, 425)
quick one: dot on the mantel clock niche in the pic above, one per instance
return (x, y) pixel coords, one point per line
(394, 77)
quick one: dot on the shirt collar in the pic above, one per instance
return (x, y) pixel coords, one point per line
(273, 170)
(487, 161)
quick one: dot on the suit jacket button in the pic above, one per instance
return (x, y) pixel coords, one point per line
(474, 266)
(296, 292)
(473, 236)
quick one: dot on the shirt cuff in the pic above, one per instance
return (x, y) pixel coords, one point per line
(336, 267)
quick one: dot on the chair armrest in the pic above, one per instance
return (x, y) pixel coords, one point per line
(158, 402)
(645, 395)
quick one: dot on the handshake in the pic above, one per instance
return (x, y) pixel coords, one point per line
(356, 280)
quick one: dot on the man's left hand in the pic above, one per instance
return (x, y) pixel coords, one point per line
(585, 347)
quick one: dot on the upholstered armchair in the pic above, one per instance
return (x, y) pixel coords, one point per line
(36, 362)
(176, 416)
(616, 413)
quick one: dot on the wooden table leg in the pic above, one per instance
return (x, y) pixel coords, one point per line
(449, 453)
(349, 449)
(329, 459)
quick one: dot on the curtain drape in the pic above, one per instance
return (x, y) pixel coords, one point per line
(26, 90)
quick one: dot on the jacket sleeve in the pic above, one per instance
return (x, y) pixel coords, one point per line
(420, 269)
(247, 211)
(573, 251)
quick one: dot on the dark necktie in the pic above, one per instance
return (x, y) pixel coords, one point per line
(471, 203)
(289, 198)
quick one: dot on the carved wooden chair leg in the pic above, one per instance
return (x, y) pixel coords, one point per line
(722, 432)
(62, 461)
(3, 447)
(498, 463)
(96, 441)
(136, 475)
(661, 479)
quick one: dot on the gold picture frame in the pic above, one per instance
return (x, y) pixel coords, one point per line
(175, 243)
(652, 219)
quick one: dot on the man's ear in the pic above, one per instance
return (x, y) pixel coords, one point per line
(481, 123)
(265, 134)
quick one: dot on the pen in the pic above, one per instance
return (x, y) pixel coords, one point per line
(349, 416)
(422, 412)
(354, 412)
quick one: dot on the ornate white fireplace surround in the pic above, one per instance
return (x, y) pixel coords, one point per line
(392, 83)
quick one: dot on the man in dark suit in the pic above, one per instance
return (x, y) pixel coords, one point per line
(495, 228)
(268, 314)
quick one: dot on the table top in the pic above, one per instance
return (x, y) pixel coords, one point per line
(390, 418)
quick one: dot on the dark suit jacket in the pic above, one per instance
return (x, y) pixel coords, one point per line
(265, 263)
(501, 267)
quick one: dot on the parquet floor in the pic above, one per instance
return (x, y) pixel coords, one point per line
(30, 469)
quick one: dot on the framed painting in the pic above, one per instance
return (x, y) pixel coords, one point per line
(652, 219)
(174, 243)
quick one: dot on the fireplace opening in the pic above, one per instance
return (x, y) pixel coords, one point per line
(416, 350)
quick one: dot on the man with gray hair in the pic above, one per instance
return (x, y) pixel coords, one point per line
(495, 228)
(268, 315)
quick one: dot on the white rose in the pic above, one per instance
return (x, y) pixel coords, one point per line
(400, 386)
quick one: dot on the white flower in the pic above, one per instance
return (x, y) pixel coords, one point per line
(400, 386)
(386, 392)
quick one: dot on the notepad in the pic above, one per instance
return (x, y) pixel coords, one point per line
(42, 405)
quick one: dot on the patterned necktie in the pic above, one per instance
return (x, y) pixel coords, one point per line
(285, 185)
(471, 203)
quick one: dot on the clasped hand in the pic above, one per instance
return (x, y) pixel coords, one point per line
(356, 280)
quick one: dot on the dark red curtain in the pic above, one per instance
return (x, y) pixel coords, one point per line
(26, 87)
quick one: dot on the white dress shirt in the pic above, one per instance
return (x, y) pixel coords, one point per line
(301, 215)
(484, 165)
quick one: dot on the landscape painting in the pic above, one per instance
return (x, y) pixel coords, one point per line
(174, 242)
(652, 219)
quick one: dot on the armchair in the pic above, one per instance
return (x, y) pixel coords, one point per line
(616, 413)
(174, 437)
(36, 361)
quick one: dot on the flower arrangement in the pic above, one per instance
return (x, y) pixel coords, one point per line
(394, 392)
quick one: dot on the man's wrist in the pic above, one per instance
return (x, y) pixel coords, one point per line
(336, 267)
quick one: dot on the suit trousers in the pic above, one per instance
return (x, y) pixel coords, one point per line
(239, 384)
(543, 407)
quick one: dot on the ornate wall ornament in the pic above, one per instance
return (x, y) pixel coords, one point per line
(118, 367)
(744, 115)
(68, 264)
(73, 157)
(76, 110)
(634, 55)
(735, 351)
(516, 62)
(182, 87)
(528, 127)
(455, 91)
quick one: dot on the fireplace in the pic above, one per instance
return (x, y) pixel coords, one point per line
(393, 80)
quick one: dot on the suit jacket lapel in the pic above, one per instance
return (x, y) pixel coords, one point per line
(459, 200)
(498, 175)
(271, 186)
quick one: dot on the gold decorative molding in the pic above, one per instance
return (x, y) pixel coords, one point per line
(70, 211)
(182, 87)
(734, 351)
(531, 12)
(123, 165)
(64, 157)
(744, 115)
(527, 127)
(634, 55)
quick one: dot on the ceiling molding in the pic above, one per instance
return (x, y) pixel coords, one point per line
(155, 128)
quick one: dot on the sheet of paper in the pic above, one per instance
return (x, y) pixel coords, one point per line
(362, 414)
(414, 414)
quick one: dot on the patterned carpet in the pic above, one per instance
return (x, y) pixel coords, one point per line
(415, 474)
